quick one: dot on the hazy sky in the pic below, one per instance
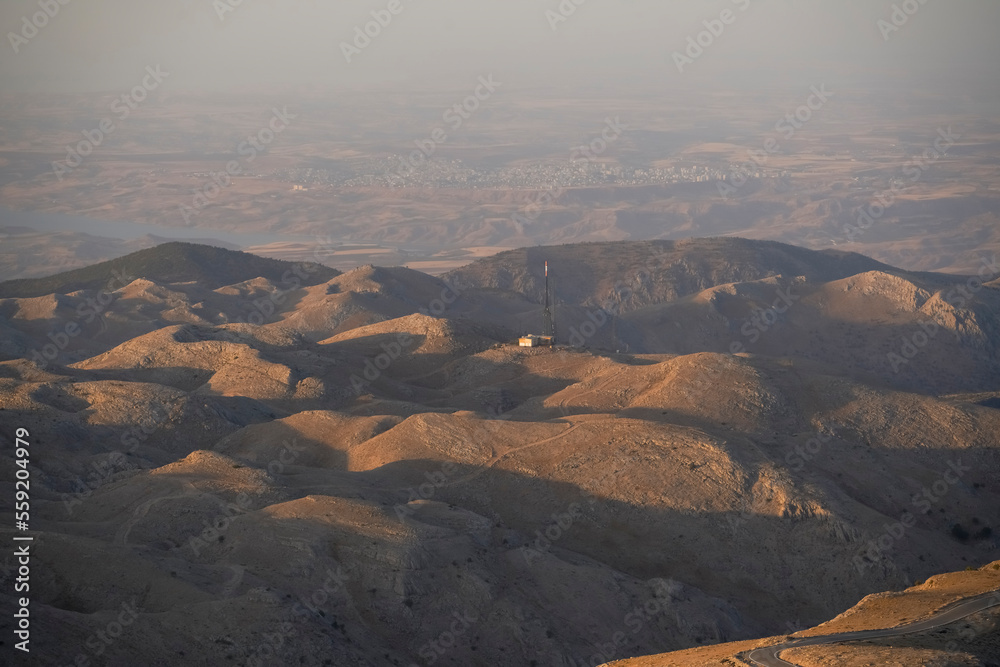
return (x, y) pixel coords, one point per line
(441, 44)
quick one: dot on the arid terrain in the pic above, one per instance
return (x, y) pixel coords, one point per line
(906, 177)
(263, 462)
(533, 333)
(972, 640)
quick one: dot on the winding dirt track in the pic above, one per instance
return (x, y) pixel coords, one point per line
(121, 537)
(496, 459)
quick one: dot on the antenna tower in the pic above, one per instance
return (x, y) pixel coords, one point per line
(548, 324)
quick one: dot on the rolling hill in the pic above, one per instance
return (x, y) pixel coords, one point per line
(973, 639)
(370, 472)
(642, 273)
(173, 262)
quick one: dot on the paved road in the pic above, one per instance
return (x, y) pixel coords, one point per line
(768, 657)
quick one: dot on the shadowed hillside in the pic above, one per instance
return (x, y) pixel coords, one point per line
(973, 640)
(347, 465)
(207, 266)
(641, 273)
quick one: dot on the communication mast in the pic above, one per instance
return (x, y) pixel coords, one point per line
(548, 336)
(548, 324)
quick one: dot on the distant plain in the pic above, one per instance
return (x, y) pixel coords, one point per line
(514, 173)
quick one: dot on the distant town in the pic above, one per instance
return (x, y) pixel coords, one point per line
(396, 172)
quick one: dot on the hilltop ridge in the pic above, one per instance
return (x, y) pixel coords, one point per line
(223, 451)
(641, 273)
(209, 266)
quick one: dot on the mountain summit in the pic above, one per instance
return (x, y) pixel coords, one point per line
(173, 262)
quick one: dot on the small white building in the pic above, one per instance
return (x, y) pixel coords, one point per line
(536, 341)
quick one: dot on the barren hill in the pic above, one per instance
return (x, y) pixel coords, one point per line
(640, 273)
(207, 266)
(373, 474)
(974, 639)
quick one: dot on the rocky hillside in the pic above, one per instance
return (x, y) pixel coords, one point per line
(642, 273)
(367, 471)
(173, 262)
(972, 640)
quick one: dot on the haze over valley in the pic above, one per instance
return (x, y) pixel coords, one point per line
(500, 334)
